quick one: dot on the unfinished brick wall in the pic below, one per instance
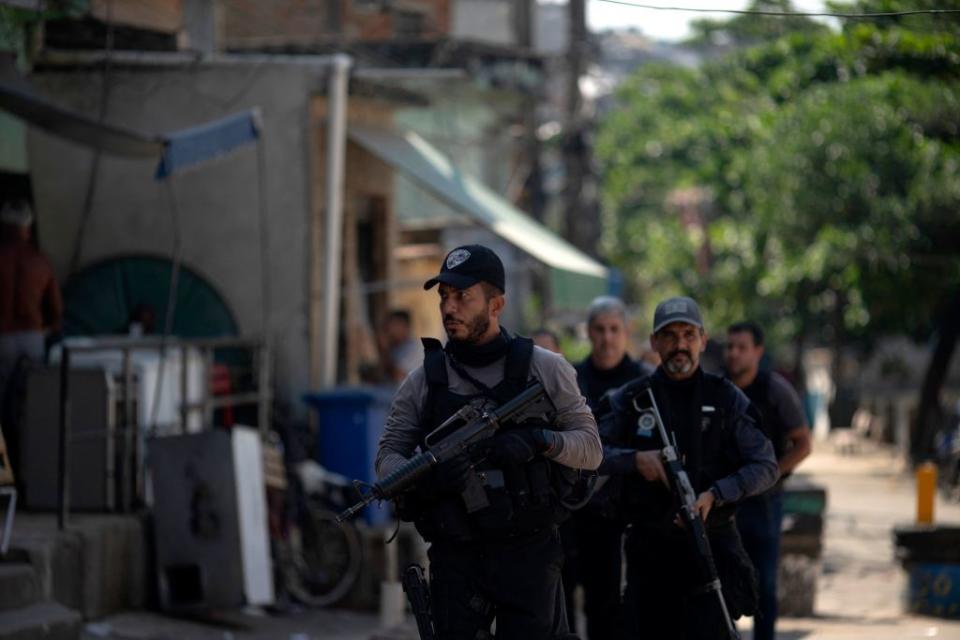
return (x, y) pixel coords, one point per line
(278, 23)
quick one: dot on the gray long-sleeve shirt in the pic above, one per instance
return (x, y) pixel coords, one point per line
(576, 430)
(758, 472)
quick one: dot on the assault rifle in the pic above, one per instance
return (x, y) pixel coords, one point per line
(457, 435)
(418, 594)
(683, 490)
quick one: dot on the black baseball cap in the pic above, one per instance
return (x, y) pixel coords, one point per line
(677, 309)
(467, 265)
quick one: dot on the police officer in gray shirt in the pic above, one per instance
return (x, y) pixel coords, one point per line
(727, 458)
(502, 562)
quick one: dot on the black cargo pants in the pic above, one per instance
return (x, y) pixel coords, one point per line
(514, 581)
(662, 577)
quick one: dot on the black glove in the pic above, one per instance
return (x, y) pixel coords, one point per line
(451, 476)
(518, 446)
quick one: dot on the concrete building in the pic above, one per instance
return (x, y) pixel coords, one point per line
(465, 100)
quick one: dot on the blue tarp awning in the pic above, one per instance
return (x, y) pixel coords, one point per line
(189, 147)
(176, 151)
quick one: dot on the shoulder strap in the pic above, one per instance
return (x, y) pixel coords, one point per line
(518, 362)
(435, 369)
(434, 365)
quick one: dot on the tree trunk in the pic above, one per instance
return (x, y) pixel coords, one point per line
(838, 407)
(930, 413)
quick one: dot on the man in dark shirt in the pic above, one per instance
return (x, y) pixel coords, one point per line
(502, 560)
(725, 455)
(591, 538)
(760, 518)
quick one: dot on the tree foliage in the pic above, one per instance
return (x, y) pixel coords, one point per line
(811, 181)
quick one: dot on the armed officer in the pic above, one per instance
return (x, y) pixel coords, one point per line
(502, 561)
(592, 537)
(726, 457)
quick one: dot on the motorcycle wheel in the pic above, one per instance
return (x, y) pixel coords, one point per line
(325, 559)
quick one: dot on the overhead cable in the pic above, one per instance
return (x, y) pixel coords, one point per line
(788, 14)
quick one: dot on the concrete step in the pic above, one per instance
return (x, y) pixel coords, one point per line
(19, 585)
(44, 620)
(97, 566)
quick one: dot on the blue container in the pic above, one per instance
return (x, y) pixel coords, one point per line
(934, 590)
(351, 421)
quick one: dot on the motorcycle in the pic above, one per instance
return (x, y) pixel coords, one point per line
(318, 559)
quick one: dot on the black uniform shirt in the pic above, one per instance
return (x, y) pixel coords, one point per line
(595, 382)
(758, 472)
(779, 406)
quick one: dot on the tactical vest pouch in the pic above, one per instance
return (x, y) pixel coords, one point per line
(495, 520)
(525, 503)
(737, 575)
(444, 519)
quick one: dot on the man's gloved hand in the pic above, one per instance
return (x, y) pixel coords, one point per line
(451, 476)
(519, 446)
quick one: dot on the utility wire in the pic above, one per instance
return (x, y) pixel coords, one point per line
(105, 82)
(788, 14)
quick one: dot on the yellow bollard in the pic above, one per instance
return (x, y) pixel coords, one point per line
(926, 490)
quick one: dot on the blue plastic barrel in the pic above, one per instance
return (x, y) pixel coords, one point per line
(350, 421)
(934, 590)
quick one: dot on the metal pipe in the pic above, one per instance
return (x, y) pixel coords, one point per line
(184, 390)
(129, 434)
(336, 140)
(263, 389)
(264, 354)
(61, 57)
(207, 386)
(99, 344)
(234, 399)
(63, 506)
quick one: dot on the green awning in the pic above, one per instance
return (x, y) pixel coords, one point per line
(575, 277)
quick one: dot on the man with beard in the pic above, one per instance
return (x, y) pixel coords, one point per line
(760, 518)
(591, 538)
(727, 458)
(501, 562)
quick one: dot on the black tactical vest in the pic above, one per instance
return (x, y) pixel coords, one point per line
(708, 456)
(523, 499)
(759, 393)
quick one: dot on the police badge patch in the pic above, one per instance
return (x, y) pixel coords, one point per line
(646, 423)
(706, 416)
(457, 258)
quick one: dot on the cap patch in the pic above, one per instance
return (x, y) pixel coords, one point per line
(456, 258)
(675, 306)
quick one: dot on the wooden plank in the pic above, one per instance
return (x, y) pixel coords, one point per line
(155, 15)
